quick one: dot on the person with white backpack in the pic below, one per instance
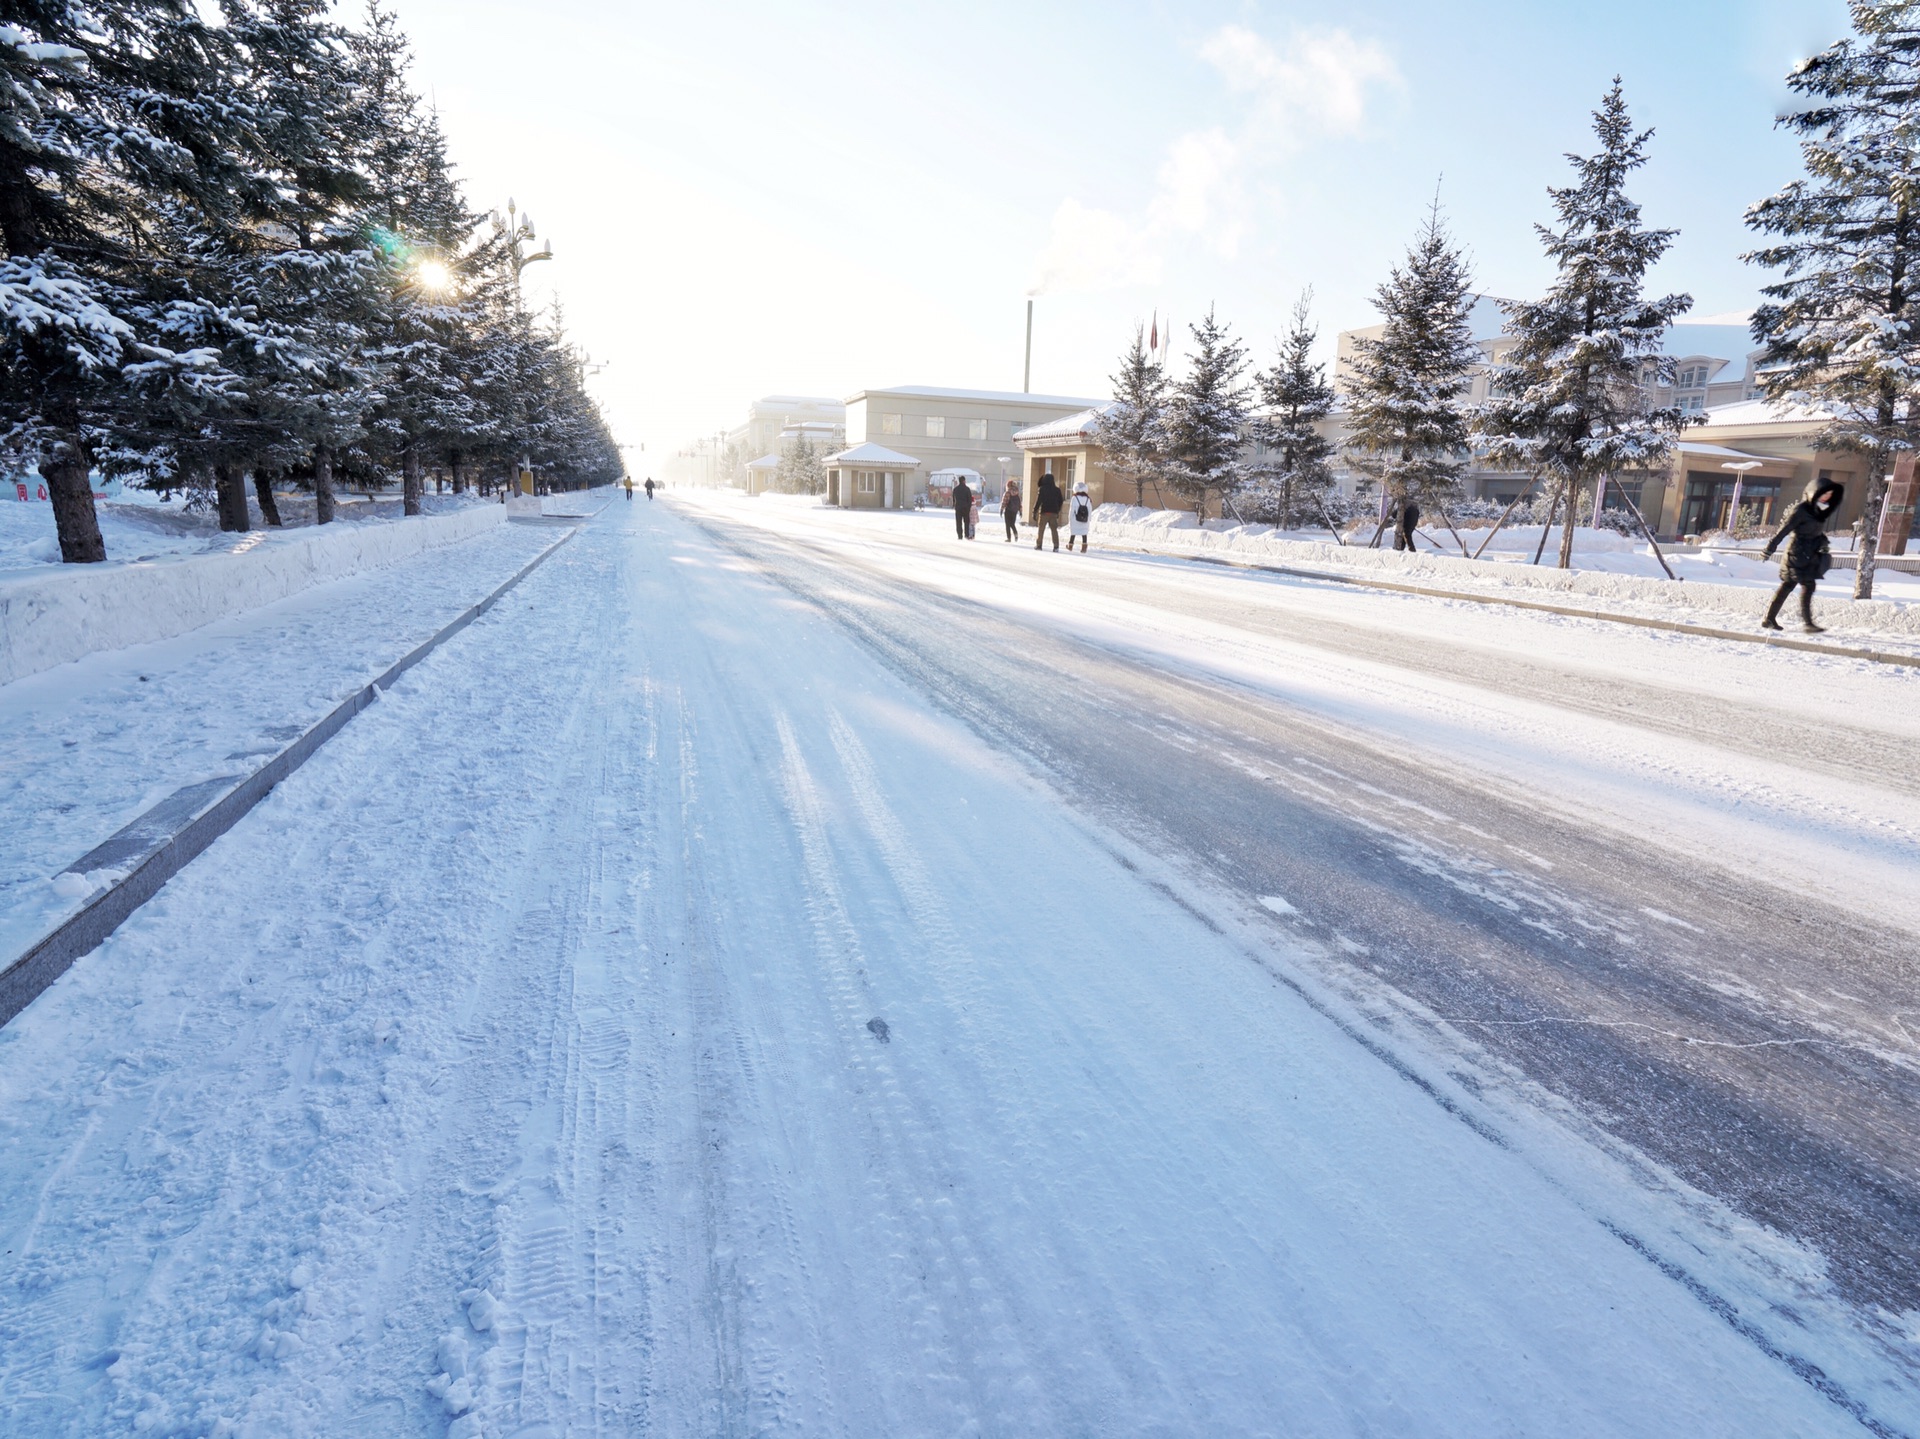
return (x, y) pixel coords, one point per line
(1079, 516)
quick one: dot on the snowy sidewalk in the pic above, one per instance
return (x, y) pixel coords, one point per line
(90, 746)
(656, 1017)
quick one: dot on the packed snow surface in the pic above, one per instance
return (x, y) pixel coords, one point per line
(655, 1015)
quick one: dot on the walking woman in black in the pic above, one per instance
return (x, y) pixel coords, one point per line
(1808, 555)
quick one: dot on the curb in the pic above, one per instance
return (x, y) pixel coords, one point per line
(24, 978)
(1676, 626)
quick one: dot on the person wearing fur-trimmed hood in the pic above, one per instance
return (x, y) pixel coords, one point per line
(1079, 516)
(1808, 555)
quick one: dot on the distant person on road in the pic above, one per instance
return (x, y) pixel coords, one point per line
(649, 486)
(1046, 511)
(629, 489)
(973, 515)
(1809, 556)
(1404, 527)
(1079, 516)
(1010, 509)
(962, 509)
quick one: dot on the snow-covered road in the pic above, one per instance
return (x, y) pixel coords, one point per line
(664, 1013)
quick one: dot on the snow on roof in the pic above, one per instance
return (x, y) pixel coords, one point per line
(1722, 452)
(1766, 412)
(997, 397)
(1070, 427)
(872, 454)
(765, 462)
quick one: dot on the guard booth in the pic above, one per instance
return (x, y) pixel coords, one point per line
(870, 477)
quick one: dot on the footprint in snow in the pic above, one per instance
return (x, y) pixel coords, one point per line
(880, 1031)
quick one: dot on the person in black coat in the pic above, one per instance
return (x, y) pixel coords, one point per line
(962, 509)
(1047, 501)
(1408, 522)
(1808, 555)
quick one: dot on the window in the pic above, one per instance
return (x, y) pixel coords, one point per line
(864, 484)
(889, 424)
(936, 427)
(976, 429)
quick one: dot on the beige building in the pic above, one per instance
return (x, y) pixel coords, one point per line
(773, 419)
(1772, 452)
(952, 429)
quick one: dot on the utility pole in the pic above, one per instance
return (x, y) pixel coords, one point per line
(1026, 376)
(519, 228)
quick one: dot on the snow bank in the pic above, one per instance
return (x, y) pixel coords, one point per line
(48, 617)
(1726, 590)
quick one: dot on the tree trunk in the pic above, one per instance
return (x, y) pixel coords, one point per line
(263, 492)
(1566, 529)
(1870, 529)
(67, 467)
(458, 471)
(322, 485)
(410, 480)
(230, 490)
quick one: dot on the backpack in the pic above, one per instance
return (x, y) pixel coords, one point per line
(1080, 509)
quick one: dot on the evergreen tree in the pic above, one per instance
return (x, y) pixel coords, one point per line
(1407, 413)
(1569, 402)
(109, 112)
(1207, 418)
(800, 472)
(1132, 431)
(1840, 327)
(1290, 487)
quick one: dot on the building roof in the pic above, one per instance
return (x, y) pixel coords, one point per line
(1722, 452)
(872, 454)
(765, 462)
(1068, 428)
(1766, 412)
(995, 397)
(1732, 343)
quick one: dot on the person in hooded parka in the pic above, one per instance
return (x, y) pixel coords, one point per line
(1808, 556)
(1079, 516)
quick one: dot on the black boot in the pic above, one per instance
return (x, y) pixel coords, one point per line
(1806, 612)
(1772, 621)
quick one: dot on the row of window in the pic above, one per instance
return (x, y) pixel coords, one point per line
(938, 427)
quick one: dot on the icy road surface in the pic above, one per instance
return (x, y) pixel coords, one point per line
(739, 987)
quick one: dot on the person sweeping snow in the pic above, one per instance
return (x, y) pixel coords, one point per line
(1079, 516)
(1808, 555)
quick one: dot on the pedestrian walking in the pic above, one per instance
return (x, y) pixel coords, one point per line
(973, 516)
(629, 489)
(649, 486)
(1010, 509)
(1809, 556)
(962, 509)
(1079, 516)
(1047, 500)
(1404, 527)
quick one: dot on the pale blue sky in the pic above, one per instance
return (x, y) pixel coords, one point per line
(757, 198)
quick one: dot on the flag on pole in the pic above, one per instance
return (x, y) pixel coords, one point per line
(1153, 343)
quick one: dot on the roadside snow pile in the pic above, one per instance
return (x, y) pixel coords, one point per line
(1613, 568)
(55, 613)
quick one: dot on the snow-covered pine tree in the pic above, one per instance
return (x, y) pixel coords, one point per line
(800, 472)
(1290, 483)
(107, 110)
(1207, 418)
(1132, 432)
(1570, 399)
(1407, 393)
(1841, 326)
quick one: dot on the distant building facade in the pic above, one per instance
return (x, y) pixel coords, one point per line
(952, 429)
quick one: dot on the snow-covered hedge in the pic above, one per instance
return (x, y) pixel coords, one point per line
(52, 616)
(1175, 531)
